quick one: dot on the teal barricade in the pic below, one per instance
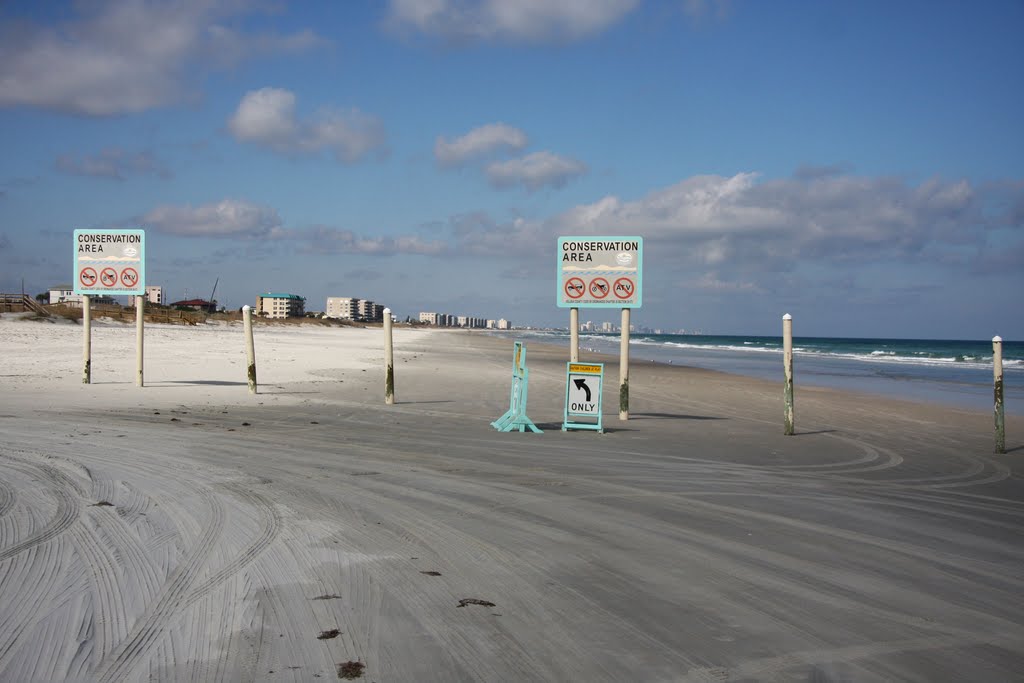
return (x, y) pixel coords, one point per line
(515, 417)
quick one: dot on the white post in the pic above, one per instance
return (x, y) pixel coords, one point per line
(139, 324)
(389, 361)
(787, 364)
(86, 340)
(624, 367)
(250, 348)
(997, 370)
(574, 335)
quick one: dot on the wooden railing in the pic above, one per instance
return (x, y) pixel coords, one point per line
(10, 303)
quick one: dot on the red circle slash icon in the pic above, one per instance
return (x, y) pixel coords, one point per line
(623, 288)
(574, 288)
(87, 277)
(129, 277)
(108, 276)
(599, 288)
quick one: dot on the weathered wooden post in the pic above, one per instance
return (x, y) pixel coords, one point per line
(997, 370)
(250, 348)
(574, 335)
(787, 362)
(624, 367)
(86, 340)
(389, 361)
(139, 325)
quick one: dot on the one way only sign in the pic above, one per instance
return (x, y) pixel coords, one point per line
(583, 395)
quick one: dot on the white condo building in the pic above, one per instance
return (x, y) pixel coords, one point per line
(65, 294)
(342, 307)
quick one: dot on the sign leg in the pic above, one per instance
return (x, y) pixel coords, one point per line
(574, 335)
(140, 317)
(86, 340)
(624, 367)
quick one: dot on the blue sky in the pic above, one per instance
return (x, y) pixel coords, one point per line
(859, 165)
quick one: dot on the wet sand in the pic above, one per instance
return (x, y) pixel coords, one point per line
(188, 530)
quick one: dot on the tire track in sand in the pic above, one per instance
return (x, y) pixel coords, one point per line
(67, 514)
(181, 594)
(7, 498)
(147, 632)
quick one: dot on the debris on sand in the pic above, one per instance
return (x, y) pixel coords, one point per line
(473, 601)
(351, 670)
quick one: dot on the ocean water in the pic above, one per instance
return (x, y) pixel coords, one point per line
(949, 372)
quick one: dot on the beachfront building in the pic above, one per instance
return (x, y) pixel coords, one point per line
(155, 295)
(195, 305)
(65, 294)
(503, 324)
(469, 321)
(370, 311)
(428, 317)
(272, 305)
(342, 307)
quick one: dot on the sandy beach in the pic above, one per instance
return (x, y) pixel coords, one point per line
(188, 530)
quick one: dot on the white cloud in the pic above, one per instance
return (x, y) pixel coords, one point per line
(479, 142)
(330, 240)
(267, 117)
(241, 219)
(741, 228)
(509, 20)
(113, 163)
(227, 218)
(534, 171)
(125, 56)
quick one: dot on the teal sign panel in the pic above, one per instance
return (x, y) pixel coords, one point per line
(600, 272)
(583, 383)
(110, 262)
(515, 417)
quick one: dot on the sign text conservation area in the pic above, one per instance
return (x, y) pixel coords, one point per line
(110, 262)
(600, 272)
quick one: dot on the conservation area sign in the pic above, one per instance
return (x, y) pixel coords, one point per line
(583, 395)
(600, 272)
(111, 262)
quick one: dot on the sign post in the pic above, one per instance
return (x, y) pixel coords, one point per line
(601, 272)
(583, 396)
(107, 263)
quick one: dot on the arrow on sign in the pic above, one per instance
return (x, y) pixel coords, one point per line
(582, 384)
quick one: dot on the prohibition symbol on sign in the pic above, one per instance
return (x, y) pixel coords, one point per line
(129, 277)
(599, 288)
(623, 288)
(574, 288)
(108, 276)
(87, 277)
